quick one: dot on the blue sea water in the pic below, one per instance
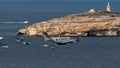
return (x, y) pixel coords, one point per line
(89, 52)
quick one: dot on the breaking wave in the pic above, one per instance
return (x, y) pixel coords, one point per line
(25, 22)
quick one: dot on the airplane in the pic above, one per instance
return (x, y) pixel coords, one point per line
(58, 40)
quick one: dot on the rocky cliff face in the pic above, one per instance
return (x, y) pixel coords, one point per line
(81, 24)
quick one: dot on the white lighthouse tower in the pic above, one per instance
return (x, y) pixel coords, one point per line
(108, 9)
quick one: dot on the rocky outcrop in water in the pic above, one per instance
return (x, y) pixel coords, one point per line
(81, 24)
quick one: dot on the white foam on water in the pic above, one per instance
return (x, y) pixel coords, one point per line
(25, 22)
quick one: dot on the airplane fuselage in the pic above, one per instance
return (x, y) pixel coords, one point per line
(58, 40)
(62, 40)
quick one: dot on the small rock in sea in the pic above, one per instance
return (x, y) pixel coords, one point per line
(53, 47)
(26, 43)
(5, 46)
(45, 45)
(21, 39)
(18, 41)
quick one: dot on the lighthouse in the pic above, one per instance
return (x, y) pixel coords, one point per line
(108, 9)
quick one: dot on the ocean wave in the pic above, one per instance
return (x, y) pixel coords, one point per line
(25, 22)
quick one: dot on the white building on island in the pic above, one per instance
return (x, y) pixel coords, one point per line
(108, 9)
(93, 10)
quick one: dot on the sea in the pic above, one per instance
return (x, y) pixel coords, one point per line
(88, 52)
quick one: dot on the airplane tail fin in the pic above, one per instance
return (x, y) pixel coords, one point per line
(46, 36)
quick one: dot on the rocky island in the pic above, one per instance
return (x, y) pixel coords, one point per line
(91, 23)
